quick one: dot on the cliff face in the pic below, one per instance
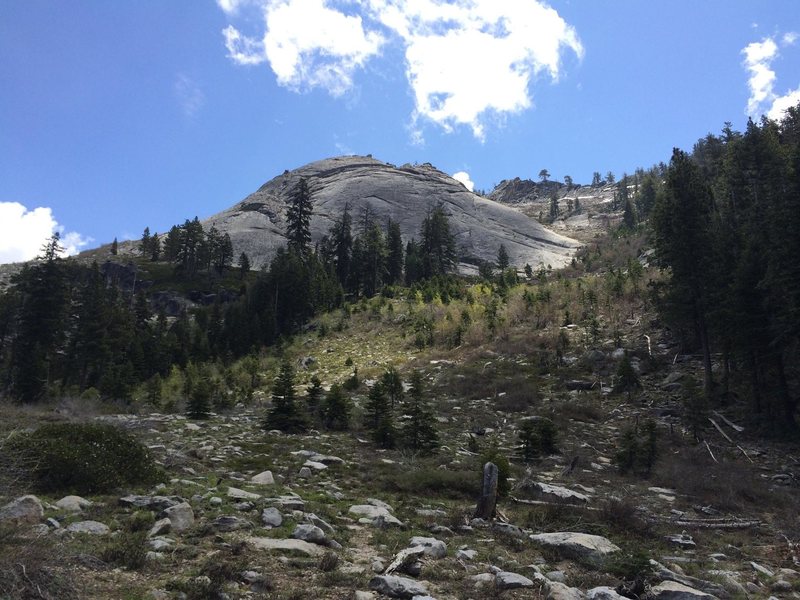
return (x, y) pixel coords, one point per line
(405, 194)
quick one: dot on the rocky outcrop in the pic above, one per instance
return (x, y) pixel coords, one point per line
(257, 224)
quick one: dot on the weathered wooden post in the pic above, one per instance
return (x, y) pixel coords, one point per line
(488, 500)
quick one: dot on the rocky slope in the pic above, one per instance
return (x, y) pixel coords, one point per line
(404, 194)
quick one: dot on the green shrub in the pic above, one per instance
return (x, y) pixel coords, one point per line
(85, 458)
(637, 449)
(128, 549)
(493, 455)
(537, 437)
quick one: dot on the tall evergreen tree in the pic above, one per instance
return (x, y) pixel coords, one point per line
(394, 255)
(438, 246)
(284, 414)
(419, 433)
(298, 219)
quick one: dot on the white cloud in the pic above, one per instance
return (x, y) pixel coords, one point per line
(23, 232)
(189, 95)
(464, 178)
(230, 6)
(758, 59)
(466, 61)
(782, 103)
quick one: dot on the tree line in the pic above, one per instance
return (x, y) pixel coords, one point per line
(725, 226)
(66, 327)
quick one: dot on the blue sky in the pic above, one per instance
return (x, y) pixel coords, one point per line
(119, 115)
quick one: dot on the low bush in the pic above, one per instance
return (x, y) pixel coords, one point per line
(431, 481)
(85, 458)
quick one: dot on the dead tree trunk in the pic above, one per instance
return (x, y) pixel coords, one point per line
(487, 503)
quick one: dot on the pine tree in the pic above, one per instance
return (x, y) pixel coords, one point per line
(438, 246)
(627, 380)
(419, 433)
(392, 384)
(155, 248)
(284, 414)
(394, 256)
(114, 247)
(502, 258)
(336, 409)
(144, 244)
(314, 397)
(298, 219)
(629, 217)
(376, 407)
(199, 401)
(342, 243)
(244, 265)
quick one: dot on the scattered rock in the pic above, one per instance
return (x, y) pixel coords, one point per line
(505, 580)
(559, 591)
(73, 503)
(555, 493)
(761, 569)
(283, 545)
(160, 527)
(397, 587)
(376, 515)
(272, 517)
(158, 503)
(238, 494)
(89, 527)
(603, 593)
(672, 590)
(432, 547)
(25, 509)
(576, 545)
(225, 523)
(309, 533)
(305, 473)
(263, 478)
(181, 516)
(681, 539)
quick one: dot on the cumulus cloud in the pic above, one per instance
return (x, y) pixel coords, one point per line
(230, 6)
(758, 60)
(23, 232)
(466, 61)
(189, 95)
(464, 178)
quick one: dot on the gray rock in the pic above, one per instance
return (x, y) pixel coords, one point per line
(781, 586)
(160, 527)
(290, 545)
(305, 473)
(376, 515)
(555, 493)
(264, 478)
(272, 517)
(225, 523)
(761, 569)
(576, 545)
(603, 593)
(89, 527)
(321, 523)
(288, 502)
(181, 516)
(25, 509)
(672, 590)
(558, 576)
(681, 539)
(364, 596)
(160, 544)
(257, 225)
(238, 494)
(150, 502)
(397, 587)
(559, 591)
(466, 554)
(73, 503)
(309, 533)
(508, 529)
(505, 580)
(432, 547)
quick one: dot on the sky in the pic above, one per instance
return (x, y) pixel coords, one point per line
(116, 116)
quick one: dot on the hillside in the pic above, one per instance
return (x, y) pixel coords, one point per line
(250, 513)
(405, 194)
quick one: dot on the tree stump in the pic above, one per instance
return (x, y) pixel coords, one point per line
(487, 503)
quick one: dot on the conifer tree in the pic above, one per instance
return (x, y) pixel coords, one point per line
(419, 433)
(244, 265)
(394, 255)
(392, 384)
(284, 414)
(200, 390)
(502, 258)
(298, 219)
(144, 244)
(314, 397)
(336, 409)
(438, 246)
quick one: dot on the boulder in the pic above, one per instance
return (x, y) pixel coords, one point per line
(309, 533)
(576, 545)
(377, 515)
(555, 493)
(271, 517)
(283, 545)
(89, 527)
(25, 509)
(159, 527)
(225, 523)
(150, 502)
(263, 478)
(559, 591)
(238, 494)
(397, 587)
(181, 516)
(505, 580)
(431, 546)
(603, 593)
(73, 503)
(672, 590)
